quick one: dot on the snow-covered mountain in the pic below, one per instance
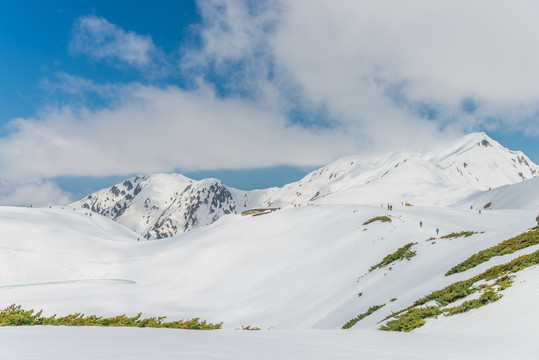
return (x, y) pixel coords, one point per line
(162, 205)
(439, 177)
(288, 272)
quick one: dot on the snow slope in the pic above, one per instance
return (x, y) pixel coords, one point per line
(162, 205)
(295, 273)
(298, 268)
(86, 343)
(524, 195)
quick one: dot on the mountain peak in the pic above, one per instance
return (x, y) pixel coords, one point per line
(163, 205)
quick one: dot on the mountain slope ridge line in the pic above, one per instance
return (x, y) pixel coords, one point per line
(163, 205)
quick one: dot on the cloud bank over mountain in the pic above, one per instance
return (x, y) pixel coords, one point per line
(296, 83)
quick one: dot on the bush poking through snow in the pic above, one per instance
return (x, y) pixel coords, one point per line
(378, 218)
(354, 321)
(250, 328)
(14, 315)
(499, 276)
(505, 247)
(456, 235)
(402, 253)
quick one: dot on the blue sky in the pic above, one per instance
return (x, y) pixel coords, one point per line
(254, 93)
(35, 38)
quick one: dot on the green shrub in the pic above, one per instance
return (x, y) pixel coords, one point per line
(412, 319)
(14, 315)
(262, 213)
(456, 235)
(250, 328)
(378, 218)
(506, 247)
(413, 316)
(354, 321)
(401, 253)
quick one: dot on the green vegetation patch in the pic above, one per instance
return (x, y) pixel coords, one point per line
(456, 235)
(500, 278)
(378, 218)
(402, 253)
(14, 315)
(260, 214)
(250, 328)
(506, 247)
(354, 321)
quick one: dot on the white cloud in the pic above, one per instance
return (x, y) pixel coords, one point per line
(76, 85)
(35, 193)
(101, 40)
(151, 129)
(350, 56)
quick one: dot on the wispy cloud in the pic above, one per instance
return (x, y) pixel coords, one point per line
(151, 129)
(77, 85)
(36, 193)
(349, 55)
(96, 37)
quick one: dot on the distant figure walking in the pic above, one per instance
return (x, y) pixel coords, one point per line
(437, 231)
(537, 219)
(421, 224)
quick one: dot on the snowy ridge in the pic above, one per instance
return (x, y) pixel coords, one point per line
(484, 163)
(524, 195)
(162, 205)
(474, 162)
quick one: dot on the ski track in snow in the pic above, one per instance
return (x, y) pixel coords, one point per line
(64, 282)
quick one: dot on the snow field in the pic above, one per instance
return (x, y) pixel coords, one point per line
(297, 268)
(86, 343)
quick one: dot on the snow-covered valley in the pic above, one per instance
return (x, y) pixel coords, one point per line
(299, 273)
(290, 272)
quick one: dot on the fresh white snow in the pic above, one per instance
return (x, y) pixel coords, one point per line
(295, 273)
(86, 343)
(163, 205)
(287, 272)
